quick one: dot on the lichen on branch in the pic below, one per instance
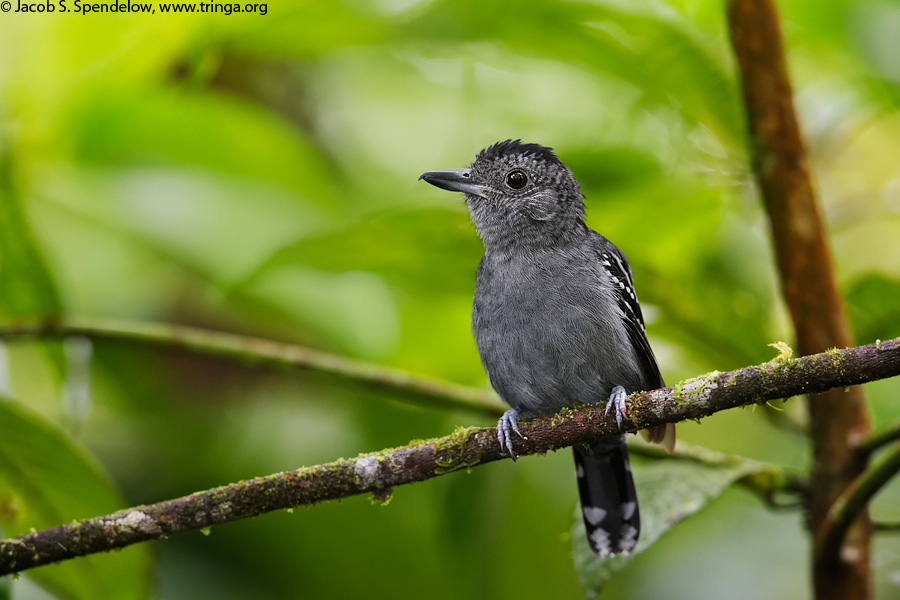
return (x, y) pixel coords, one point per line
(379, 472)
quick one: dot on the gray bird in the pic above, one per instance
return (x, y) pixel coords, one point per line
(556, 319)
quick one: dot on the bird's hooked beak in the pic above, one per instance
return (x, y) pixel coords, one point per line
(455, 180)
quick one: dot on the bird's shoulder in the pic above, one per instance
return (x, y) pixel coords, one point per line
(604, 250)
(615, 266)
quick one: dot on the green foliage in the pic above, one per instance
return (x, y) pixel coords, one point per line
(27, 289)
(47, 480)
(257, 174)
(672, 490)
(875, 307)
(5, 585)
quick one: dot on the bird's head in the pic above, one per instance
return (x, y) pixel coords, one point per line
(518, 195)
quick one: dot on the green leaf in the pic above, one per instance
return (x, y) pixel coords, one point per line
(47, 480)
(648, 44)
(671, 490)
(874, 306)
(5, 584)
(202, 130)
(420, 238)
(27, 289)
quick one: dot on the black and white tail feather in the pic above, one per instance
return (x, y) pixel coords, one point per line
(609, 503)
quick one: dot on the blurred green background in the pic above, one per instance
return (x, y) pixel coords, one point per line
(258, 174)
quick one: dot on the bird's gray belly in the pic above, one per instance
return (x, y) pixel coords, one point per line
(544, 351)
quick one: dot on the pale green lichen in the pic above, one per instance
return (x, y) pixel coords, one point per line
(696, 388)
(781, 363)
(732, 379)
(565, 413)
(836, 358)
(676, 392)
(785, 352)
(382, 497)
(450, 451)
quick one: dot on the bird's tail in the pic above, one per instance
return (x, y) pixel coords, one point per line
(608, 498)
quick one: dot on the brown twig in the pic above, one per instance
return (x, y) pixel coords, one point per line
(409, 387)
(838, 420)
(886, 526)
(379, 472)
(880, 438)
(855, 499)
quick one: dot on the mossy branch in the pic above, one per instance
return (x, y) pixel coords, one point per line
(379, 472)
(416, 389)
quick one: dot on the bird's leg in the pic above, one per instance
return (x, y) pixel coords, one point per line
(508, 421)
(617, 399)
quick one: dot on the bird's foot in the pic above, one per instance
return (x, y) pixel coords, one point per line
(617, 399)
(506, 423)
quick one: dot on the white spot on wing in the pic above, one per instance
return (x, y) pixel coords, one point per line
(579, 471)
(628, 509)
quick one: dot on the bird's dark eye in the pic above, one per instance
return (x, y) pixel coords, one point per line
(516, 179)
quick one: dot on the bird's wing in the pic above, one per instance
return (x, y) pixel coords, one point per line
(615, 263)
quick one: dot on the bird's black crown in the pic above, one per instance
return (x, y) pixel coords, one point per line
(507, 147)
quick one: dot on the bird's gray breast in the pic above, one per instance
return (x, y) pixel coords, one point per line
(549, 330)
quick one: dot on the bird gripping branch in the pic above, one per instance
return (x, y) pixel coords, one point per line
(556, 319)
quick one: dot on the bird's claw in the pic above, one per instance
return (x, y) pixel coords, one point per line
(508, 421)
(617, 399)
